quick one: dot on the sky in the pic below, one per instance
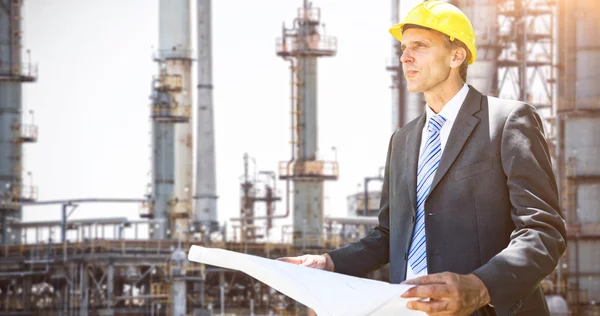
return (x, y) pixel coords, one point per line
(91, 100)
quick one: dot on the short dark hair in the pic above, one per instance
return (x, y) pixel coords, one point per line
(450, 45)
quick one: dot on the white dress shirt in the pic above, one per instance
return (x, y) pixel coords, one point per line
(449, 112)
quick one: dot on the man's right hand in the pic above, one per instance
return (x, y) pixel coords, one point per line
(321, 262)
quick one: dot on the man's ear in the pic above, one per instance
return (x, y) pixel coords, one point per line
(458, 57)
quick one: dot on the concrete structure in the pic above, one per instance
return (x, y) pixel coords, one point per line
(14, 71)
(205, 208)
(302, 45)
(171, 128)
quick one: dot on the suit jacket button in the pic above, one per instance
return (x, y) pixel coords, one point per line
(412, 219)
(405, 256)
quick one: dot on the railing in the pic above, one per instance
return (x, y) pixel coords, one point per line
(24, 71)
(316, 169)
(29, 133)
(146, 209)
(174, 53)
(311, 45)
(29, 193)
(21, 193)
(169, 83)
(171, 112)
(180, 209)
(310, 14)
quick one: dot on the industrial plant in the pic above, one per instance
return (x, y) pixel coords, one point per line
(543, 52)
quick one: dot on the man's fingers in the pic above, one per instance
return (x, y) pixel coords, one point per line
(427, 291)
(310, 264)
(294, 260)
(430, 307)
(428, 279)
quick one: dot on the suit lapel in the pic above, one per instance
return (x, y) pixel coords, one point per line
(413, 144)
(461, 130)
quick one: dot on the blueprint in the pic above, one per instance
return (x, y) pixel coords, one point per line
(327, 293)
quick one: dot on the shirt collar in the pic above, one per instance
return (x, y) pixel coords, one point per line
(450, 110)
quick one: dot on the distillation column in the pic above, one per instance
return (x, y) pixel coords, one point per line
(303, 45)
(13, 72)
(171, 127)
(406, 106)
(482, 75)
(205, 208)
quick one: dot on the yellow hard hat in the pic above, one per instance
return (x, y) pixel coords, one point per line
(443, 17)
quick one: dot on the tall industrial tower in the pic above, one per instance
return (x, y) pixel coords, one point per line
(13, 133)
(482, 75)
(205, 208)
(171, 124)
(406, 106)
(302, 45)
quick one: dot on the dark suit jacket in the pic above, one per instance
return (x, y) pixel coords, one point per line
(492, 210)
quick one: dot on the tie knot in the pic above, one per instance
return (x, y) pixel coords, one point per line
(436, 122)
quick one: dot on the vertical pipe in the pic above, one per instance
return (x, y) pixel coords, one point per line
(65, 302)
(178, 259)
(83, 286)
(414, 106)
(63, 224)
(5, 237)
(163, 148)
(521, 29)
(222, 291)
(205, 208)
(110, 284)
(26, 294)
(396, 113)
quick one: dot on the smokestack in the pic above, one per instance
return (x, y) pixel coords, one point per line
(205, 210)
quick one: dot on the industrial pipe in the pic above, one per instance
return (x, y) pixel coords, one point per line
(359, 220)
(11, 275)
(287, 180)
(87, 200)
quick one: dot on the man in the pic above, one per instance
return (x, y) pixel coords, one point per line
(469, 209)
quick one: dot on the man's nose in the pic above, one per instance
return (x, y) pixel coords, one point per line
(406, 57)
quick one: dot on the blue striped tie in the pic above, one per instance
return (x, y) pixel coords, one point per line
(428, 164)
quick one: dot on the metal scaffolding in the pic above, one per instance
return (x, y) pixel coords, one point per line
(578, 149)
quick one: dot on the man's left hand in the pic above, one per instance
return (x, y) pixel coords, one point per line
(449, 293)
